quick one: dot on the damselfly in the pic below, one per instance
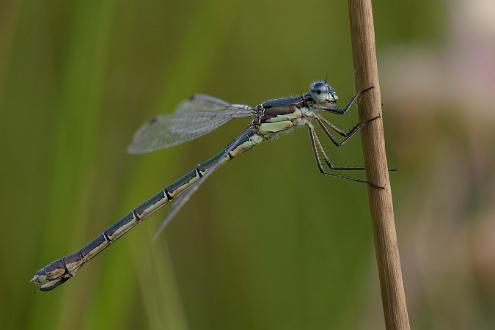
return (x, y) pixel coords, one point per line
(198, 116)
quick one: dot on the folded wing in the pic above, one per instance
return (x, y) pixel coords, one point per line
(193, 118)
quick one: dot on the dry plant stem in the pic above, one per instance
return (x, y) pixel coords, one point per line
(380, 200)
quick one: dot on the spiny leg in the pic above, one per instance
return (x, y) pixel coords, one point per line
(347, 135)
(317, 148)
(338, 143)
(349, 104)
(315, 140)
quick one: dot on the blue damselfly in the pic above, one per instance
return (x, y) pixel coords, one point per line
(197, 116)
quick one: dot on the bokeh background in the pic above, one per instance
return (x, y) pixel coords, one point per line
(267, 243)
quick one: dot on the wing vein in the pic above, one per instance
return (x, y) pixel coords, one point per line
(193, 118)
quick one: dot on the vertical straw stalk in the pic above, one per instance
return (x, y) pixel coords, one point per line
(380, 200)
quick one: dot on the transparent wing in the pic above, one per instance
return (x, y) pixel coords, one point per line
(184, 198)
(201, 102)
(193, 118)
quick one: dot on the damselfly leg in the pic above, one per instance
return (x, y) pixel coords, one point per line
(347, 135)
(341, 111)
(318, 149)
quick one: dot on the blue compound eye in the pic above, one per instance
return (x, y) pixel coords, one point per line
(322, 93)
(319, 87)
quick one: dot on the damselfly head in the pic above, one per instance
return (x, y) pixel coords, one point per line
(322, 93)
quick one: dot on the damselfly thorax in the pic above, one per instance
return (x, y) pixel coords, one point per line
(283, 114)
(196, 117)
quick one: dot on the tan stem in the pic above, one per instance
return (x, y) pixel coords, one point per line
(380, 200)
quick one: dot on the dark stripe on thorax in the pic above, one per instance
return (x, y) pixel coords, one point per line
(283, 106)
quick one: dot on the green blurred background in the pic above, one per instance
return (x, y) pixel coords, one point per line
(267, 243)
